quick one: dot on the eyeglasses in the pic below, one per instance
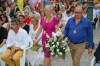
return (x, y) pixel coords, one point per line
(77, 12)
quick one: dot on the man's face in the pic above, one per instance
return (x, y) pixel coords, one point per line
(78, 12)
(14, 26)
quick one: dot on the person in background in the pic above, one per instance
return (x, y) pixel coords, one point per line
(18, 13)
(5, 22)
(1, 12)
(57, 8)
(23, 23)
(42, 13)
(48, 24)
(16, 8)
(61, 22)
(3, 37)
(27, 16)
(16, 42)
(54, 12)
(33, 11)
(11, 15)
(63, 11)
(7, 11)
(35, 57)
(46, 2)
(77, 29)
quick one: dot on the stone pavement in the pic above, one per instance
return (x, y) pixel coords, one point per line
(86, 58)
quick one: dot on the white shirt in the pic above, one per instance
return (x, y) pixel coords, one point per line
(63, 14)
(95, 12)
(5, 25)
(65, 19)
(19, 40)
(33, 33)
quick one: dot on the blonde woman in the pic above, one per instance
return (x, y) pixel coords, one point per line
(35, 57)
(27, 16)
(48, 24)
(61, 22)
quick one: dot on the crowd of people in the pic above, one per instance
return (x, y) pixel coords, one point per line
(36, 18)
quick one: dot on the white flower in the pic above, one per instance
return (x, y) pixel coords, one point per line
(63, 48)
(57, 50)
(52, 48)
(52, 53)
(47, 36)
(54, 34)
(47, 45)
(60, 53)
(67, 49)
(53, 45)
(52, 42)
(66, 39)
(62, 41)
(58, 43)
(58, 32)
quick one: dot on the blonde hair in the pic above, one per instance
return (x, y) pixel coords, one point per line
(18, 12)
(59, 13)
(26, 10)
(36, 17)
(49, 6)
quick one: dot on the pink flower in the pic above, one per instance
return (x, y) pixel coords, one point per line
(52, 48)
(63, 45)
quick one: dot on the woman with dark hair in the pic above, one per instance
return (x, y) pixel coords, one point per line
(7, 11)
(5, 21)
(72, 9)
(23, 23)
(57, 8)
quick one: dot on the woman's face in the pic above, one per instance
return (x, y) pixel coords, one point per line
(18, 15)
(42, 14)
(21, 19)
(59, 16)
(3, 19)
(33, 21)
(47, 11)
(56, 5)
(26, 14)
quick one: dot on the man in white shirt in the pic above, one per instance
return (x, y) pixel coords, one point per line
(16, 42)
(63, 11)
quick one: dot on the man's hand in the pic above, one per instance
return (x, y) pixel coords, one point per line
(12, 53)
(90, 50)
(62, 36)
(9, 47)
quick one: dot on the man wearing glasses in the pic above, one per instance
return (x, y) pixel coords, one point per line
(78, 29)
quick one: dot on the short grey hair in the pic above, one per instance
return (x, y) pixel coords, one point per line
(80, 6)
(15, 20)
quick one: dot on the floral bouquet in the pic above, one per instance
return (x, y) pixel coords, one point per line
(57, 46)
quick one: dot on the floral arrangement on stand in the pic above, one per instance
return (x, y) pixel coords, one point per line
(57, 46)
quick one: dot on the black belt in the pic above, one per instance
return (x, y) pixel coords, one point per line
(78, 42)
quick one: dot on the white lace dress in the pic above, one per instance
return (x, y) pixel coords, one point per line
(35, 58)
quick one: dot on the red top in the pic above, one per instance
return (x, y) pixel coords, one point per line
(27, 20)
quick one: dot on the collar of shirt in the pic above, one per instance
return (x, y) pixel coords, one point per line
(82, 19)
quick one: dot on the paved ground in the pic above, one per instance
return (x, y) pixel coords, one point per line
(86, 58)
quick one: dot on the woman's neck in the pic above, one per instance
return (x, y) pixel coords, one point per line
(36, 25)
